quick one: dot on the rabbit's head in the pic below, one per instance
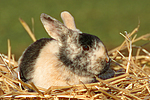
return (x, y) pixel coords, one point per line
(82, 53)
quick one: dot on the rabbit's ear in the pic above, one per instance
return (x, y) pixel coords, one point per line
(68, 20)
(54, 28)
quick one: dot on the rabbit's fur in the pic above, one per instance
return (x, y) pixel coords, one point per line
(69, 57)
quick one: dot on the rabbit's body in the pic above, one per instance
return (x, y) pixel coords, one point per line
(68, 58)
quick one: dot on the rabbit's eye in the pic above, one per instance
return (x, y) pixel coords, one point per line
(85, 47)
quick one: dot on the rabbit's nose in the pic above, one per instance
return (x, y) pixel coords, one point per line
(107, 60)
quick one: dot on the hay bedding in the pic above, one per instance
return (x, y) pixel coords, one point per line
(131, 80)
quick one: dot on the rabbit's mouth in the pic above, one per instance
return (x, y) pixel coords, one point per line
(107, 72)
(106, 67)
(100, 66)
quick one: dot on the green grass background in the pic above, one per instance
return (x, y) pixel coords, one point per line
(104, 18)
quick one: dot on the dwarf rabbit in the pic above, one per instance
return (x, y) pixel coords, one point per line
(69, 57)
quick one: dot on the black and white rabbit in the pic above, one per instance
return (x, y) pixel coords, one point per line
(69, 57)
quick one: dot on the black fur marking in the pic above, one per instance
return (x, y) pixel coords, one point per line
(63, 57)
(87, 39)
(48, 18)
(29, 57)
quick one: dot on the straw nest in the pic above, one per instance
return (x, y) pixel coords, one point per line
(131, 80)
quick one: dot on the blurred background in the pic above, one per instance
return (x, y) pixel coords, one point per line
(105, 19)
